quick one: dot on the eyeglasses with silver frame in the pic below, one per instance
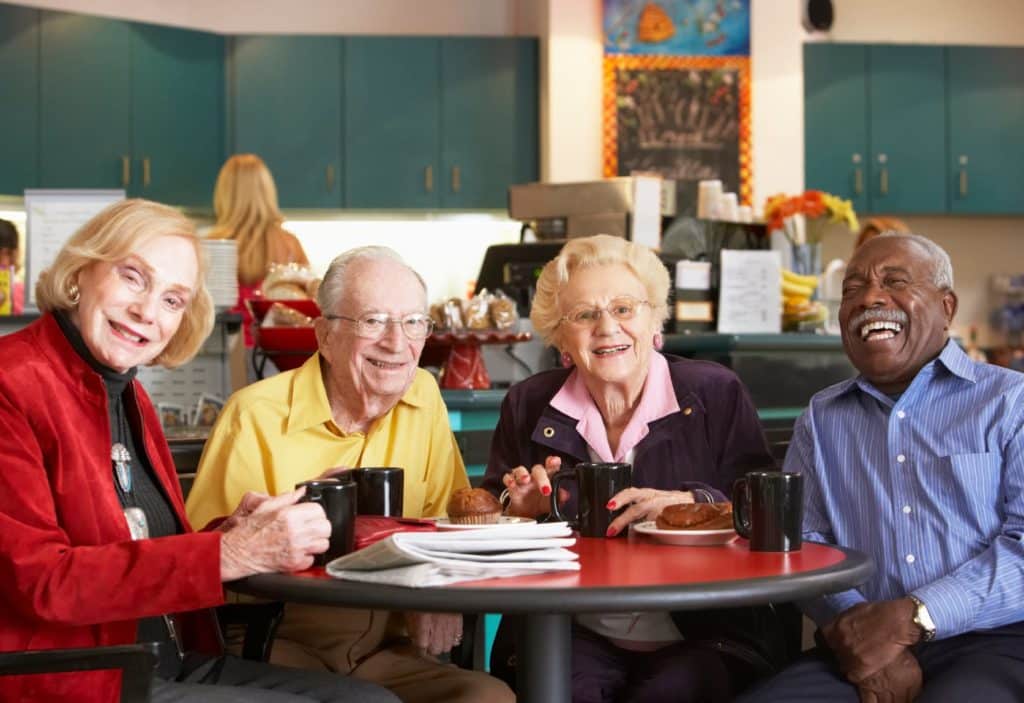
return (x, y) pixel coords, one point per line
(372, 325)
(622, 309)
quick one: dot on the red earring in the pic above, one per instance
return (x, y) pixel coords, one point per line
(566, 360)
(659, 341)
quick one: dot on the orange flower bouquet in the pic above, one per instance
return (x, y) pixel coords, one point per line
(804, 218)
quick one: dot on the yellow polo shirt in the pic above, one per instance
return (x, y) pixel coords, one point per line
(278, 432)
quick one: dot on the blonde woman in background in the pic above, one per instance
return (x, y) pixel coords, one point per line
(876, 225)
(245, 204)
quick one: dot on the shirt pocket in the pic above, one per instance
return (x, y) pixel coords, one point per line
(977, 479)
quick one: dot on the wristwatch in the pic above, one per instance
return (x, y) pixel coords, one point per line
(923, 619)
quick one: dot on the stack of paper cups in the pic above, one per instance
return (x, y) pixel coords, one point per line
(729, 208)
(708, 195)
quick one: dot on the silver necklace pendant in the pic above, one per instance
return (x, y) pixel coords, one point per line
(121, 457)
(138, 526)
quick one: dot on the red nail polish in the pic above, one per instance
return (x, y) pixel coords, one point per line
(611, 532)
(611, 505)
(546, 490)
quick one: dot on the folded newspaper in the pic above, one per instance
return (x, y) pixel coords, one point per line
(439, 558)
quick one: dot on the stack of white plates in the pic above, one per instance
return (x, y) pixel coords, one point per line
(222, 274)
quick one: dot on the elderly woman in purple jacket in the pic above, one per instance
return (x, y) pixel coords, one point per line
(688, 428)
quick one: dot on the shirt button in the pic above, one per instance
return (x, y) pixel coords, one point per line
(910, 558)
(901, 458)
(900, 414)
(906, 509)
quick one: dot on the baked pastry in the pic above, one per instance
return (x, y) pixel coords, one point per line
(473, 506)
(696, 516)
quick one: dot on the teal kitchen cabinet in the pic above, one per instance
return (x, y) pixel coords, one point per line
(85, 102)
(438, 123)
(286, 106)
(392, 122)
(907, 128)
(19, 95)
(835, 120)
(488, 120)
(177, 114)
(985, 171)
(132, 106)
(878, 136)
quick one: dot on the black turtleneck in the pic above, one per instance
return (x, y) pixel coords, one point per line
(146, 492)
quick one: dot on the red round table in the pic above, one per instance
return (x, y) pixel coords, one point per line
(616, 575)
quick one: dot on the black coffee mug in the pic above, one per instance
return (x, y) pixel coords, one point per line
(598, 483)
(768, 509)
(338, 499)
(380, 490)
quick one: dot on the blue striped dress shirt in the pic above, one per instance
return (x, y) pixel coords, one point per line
(930, 485)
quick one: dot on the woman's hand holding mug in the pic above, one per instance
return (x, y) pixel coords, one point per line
(529, 491)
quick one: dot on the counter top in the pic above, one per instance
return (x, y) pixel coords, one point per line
(787, 341)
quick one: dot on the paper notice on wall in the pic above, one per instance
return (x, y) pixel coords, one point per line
(51, 217)
(750, 296)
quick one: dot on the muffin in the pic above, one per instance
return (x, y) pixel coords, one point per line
(473, 506)
(696, 516)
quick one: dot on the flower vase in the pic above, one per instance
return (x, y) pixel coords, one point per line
(807, 259)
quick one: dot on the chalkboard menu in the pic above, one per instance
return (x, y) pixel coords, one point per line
(684, 118)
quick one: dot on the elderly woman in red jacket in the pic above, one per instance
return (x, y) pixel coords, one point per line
(95, 548)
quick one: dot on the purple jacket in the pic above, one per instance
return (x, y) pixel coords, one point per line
(714, 439)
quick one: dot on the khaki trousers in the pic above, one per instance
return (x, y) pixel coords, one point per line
(366, 644)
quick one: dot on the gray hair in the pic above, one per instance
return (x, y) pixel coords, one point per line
(332, 289)
(942, 267)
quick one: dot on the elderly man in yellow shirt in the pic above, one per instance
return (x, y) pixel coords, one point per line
(360, 401)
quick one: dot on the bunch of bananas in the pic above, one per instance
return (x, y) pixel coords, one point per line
(797, 306)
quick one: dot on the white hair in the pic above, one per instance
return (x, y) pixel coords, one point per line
(942, 267)
(332, 289)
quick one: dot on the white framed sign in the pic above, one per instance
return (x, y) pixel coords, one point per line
(51, 217)
(749, 292)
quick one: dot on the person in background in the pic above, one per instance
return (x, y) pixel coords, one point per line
(919, 463)
(361, 400)
(875, 226)
(9, 260)
(95, 549)
(245, 205)
(688, 427)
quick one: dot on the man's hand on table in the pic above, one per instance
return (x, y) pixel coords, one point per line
(644, 504)
(870, 636)
(529, 490)
(434, 633)
(278, 534)
(899, 682)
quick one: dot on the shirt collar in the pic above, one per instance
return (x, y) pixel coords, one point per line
(657, 400)
(309, 406)
(952, 358)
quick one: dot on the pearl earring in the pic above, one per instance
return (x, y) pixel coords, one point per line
(659, 341)
(566, 360)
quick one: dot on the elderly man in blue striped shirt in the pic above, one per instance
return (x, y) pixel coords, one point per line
(919, 462)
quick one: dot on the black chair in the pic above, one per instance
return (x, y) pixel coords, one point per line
(136, 661)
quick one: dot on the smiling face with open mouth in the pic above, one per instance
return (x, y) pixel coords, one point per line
(129, 310)
(894, 318)
(376, 370)
(609, 350)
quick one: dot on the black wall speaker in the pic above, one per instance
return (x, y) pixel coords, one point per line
(818, 15)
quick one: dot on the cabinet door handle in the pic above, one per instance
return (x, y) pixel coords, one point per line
(126, 171)
(456, 179)
(147, 172)
(963, 176)
(329, 177)
(428, 179)
(858, 175)
(883, 176)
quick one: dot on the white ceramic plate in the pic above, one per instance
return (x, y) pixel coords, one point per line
(684, 538)
(444, 523)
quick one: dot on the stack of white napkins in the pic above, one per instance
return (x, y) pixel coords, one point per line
(438, 558)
